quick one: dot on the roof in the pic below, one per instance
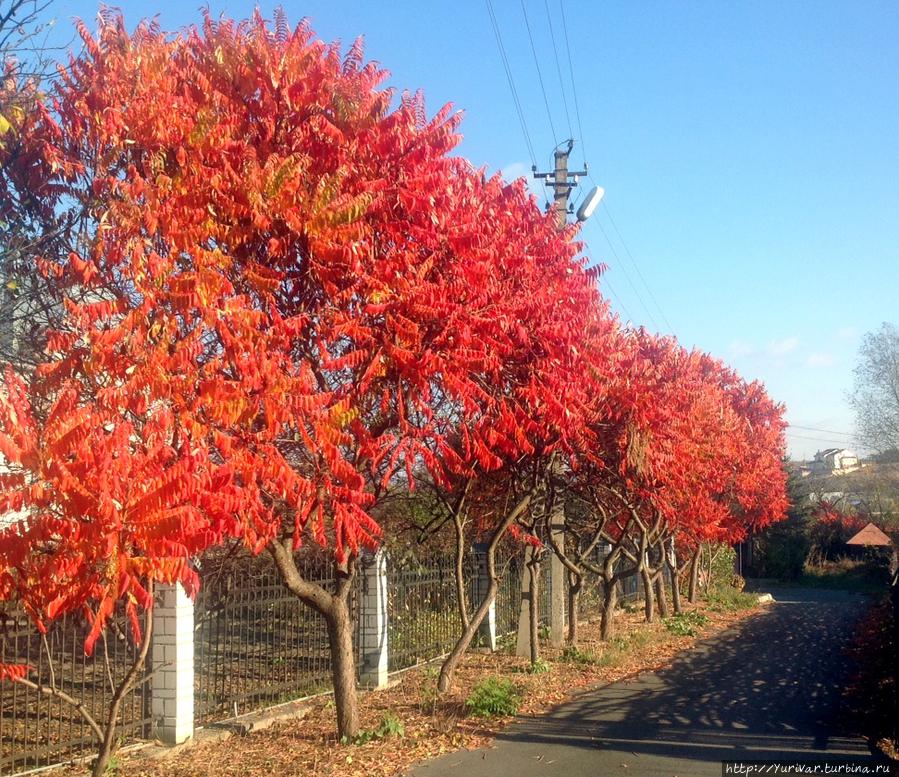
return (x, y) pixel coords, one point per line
(870, 535)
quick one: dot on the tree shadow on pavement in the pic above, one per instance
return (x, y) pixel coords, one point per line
(769, 689)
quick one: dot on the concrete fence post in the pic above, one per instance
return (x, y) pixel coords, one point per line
(558, 582)
(480, 585)
(373, 621)
(172, 704)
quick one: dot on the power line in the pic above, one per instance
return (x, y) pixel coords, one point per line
(795, 436)
(505, 59)
(552, 37)
(605, 282)
(549, 113)
(627, 275)
(825, 431)
(577, 110)
(637, 267)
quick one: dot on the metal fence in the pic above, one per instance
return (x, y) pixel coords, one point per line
(255, 643)
(423, 619)
(39, 730)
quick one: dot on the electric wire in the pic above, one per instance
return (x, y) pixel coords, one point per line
(794, 436)
(549, 113)
(605, 205)
(636, 266)
(577, 110)
(604, 281)
(552, 37)
(823, 431)
(620, 266)
(511, 80)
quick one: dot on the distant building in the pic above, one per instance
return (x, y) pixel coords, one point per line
(834, 461)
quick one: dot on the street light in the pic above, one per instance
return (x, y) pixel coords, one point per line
(590, 202)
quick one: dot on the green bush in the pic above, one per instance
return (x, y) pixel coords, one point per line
(390, 726)
(573, 655)
(724, 598)
(493, 696)
(687, 624)
(429, 693)
(540, 666)
(723, 558)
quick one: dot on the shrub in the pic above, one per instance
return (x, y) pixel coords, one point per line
(540, 666)
(727, 599)
(686, 624)
(390, 726)
(493, 696)
(573, 655)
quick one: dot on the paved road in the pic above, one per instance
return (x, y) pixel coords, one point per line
(768, 689)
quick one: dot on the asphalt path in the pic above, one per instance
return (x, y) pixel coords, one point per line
(771, 688)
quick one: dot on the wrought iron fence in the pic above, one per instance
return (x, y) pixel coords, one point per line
(40, 730)
(508, 597)
(255, 643)
(423, 619)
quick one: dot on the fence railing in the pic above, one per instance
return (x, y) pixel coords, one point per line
(40, 730)
(254, 645)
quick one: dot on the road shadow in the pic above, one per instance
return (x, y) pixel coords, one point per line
(767, 689)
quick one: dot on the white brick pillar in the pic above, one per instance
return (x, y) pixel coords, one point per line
(173, 660)
(373, 621)
(480, 585)
(558, 581)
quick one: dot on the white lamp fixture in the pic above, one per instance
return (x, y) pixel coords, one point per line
(593, 198)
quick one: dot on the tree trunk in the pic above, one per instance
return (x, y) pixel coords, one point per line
(534, 608)
(335, 610)
(343, 667)
(108, 743)
(461, 595)
(660, 593)
(609, 602)
(574, 591)
(649, 609)
(693, 591)
(451, 663)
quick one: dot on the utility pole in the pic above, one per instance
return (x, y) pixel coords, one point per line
(558, 179)
(562, 182)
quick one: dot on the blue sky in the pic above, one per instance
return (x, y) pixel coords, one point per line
(749, 151)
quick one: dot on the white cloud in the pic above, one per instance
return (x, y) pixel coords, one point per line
(523, 170)
(820, 360)
(739, 348)
(847, 334)
(783, 347)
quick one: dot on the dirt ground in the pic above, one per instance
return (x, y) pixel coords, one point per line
(431, 725)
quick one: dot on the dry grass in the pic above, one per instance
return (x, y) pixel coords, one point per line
(432, 726)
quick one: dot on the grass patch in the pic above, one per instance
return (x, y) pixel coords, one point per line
(540, 666)
(617, 650)
(493, 696)
(727, 599)
(573, 655)
(846, 575)
(390, 726)
(686, 624)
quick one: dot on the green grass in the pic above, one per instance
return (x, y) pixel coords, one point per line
(573, 655)
(728, 599)
(493, 696)
(390, 726)
(617, 648)
(845, 575)
(687, 624)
